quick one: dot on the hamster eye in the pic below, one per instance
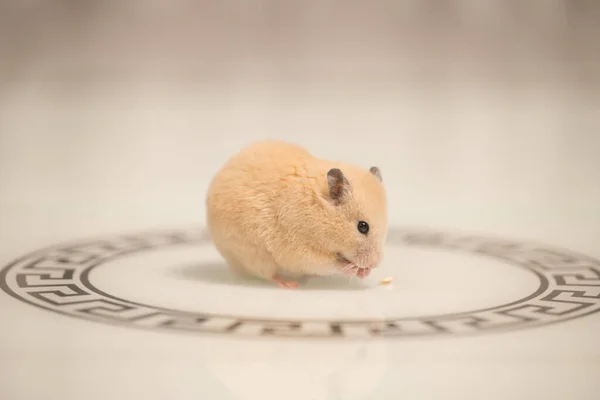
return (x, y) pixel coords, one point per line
(363, 227)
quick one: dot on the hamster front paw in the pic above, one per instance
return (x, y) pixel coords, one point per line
(363, 272)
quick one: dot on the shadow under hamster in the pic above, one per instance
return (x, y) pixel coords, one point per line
(219, 273)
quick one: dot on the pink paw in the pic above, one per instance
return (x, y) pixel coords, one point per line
(363, 272)
(282, 283)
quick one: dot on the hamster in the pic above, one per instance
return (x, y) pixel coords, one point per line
(274, 208)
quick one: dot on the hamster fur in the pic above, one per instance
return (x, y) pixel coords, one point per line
(274, 208)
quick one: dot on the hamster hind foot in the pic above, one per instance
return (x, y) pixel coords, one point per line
(283, 283)
(262, 267)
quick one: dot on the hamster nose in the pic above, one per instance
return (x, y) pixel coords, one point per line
(369, 260)
(372, 263)
(375, 261)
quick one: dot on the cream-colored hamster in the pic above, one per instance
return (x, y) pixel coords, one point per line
(274, 208)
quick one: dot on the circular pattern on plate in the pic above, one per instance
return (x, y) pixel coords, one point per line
(58, 279)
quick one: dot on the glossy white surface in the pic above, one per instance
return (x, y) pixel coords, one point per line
(95, 141)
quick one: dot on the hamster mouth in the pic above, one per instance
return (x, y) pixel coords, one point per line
(349, 267)
(344, 260)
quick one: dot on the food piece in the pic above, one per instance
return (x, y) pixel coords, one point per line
(386, 281)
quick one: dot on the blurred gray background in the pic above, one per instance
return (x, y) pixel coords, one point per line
(478, 112)
(352, 44)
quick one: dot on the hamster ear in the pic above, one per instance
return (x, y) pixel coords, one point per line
(339, 187)
(376, 172)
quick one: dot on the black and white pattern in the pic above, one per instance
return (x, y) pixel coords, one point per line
(57, 279)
